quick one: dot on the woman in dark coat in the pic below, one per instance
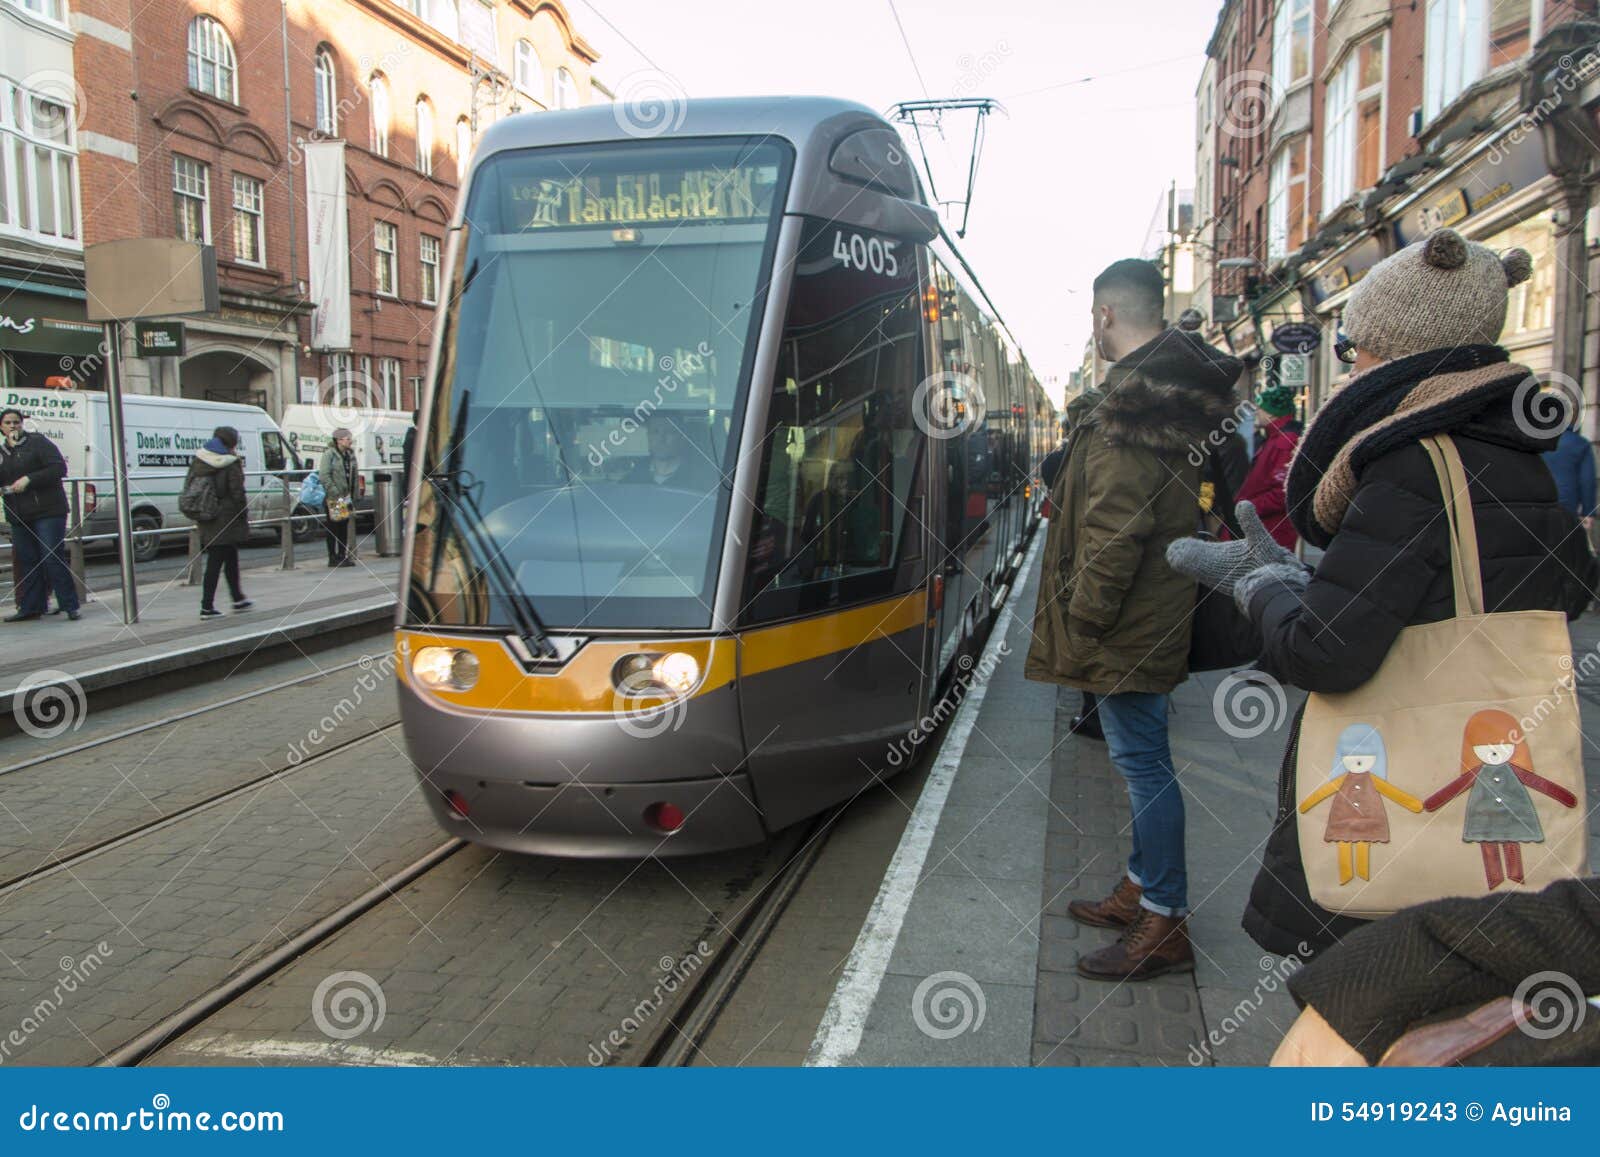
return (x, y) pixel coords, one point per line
(222, 536)
(31, 474)
(1362, 488)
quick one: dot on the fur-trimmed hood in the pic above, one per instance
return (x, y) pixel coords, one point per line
(1167, 394)
(215, 460)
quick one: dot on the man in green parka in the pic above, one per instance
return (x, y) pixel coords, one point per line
(1113, 617)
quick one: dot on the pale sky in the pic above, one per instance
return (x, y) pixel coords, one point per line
(1068, 181)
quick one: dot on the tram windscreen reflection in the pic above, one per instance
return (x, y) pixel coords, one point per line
(595, 354)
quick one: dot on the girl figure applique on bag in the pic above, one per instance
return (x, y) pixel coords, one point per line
(1500, 817)
(1358, 783)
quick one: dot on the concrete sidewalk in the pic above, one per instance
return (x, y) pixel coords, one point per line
(100, 651)
(983, 965)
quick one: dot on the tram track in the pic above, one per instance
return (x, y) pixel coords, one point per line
(180, 717)
(77, 856)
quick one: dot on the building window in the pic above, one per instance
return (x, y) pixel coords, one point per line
(38, 166)
(1467, 39)
(1291, 46)
(212, 68)
(463, 145)
(430, 269)
(566, 89)
(385, 270)
(424, 136)
(191, 199)
(378, 88)
(54, 10)
(442, 14)
(327, 95)
(1353, 146)
(411, 399)
(1286, 201)
(1530, 307)
(389, 382)
(526, 73)
(249, 238)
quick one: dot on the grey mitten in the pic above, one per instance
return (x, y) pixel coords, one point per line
(1223, 564)
(1291, 575)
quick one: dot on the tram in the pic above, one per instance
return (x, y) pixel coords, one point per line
(726, 462)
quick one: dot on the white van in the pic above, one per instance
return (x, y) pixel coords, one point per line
(162, 436)
(378, 438)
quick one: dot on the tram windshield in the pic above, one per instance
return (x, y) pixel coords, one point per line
(603, 311)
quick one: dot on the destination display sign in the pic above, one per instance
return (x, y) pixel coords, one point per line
(622, 188)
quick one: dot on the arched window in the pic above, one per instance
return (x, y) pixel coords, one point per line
(566, 89)
(327, 95)
(526, 73)
(212, 67)
(463, 144)
(378, 94)
(424, 135)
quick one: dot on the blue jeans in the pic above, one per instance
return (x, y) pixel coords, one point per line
(1135, 724)
(40, 565)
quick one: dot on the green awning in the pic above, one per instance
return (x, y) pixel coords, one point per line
(34, 323)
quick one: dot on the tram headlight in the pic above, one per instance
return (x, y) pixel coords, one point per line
(677, 671)
(445, 668)
(674, 673)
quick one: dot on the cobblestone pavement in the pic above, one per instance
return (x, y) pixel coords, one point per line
(77, 800)
(166, 916)
(496, 959)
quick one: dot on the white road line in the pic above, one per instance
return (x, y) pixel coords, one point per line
(839, 1034)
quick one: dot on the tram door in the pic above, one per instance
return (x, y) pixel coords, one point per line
(834, 628)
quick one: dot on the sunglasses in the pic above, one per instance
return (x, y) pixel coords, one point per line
(1345, 350)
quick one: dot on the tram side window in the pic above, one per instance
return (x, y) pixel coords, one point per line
(839, 511)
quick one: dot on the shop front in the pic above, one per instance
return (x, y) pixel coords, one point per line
(46, 335)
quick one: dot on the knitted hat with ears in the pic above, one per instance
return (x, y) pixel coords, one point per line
(1442, 292)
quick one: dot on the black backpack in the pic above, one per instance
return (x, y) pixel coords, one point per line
(199, 500)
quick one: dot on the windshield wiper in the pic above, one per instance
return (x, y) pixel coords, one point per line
(481, 547)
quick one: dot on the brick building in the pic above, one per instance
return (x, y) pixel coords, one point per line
(198, 118)
(1334, 132)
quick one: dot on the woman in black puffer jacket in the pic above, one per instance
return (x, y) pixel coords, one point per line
(1362, 487)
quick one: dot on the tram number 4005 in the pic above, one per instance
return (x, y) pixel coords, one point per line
(854, 251)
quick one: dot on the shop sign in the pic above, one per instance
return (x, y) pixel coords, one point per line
(1294, 371)
(1509, 166)
(32, 323)
(1296, 337)
(158, 339)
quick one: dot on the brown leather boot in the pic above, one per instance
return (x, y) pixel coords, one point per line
(1117, 910)
(1151, 946)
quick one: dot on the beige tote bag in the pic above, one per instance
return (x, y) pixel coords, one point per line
(1457, 769)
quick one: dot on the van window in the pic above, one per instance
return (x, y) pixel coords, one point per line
(273, 454)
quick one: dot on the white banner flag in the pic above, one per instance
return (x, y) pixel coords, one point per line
(328, 228)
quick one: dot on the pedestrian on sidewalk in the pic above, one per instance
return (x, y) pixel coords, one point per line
(1263, 485)
(1086, 723)
(1421, 330)
(1572, 466)
(339, 478)
(218, 461)
(31, 474)
(1113, 618)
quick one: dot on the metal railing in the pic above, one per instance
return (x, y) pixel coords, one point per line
(384, 490)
